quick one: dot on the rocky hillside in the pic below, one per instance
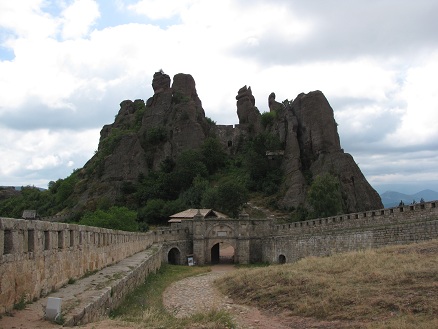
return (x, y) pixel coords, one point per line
(312, 147)
(146, 135)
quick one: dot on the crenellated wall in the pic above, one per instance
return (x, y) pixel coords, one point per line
(356, 231)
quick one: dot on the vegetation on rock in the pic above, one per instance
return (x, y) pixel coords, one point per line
(325, 196)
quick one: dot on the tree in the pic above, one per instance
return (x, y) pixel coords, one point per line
(152, 212)
(188, 165)
(116, 218)
(228, 197)
(213, 155)
(325, 196)
(192, 197)
(265, 175)
(157, 211)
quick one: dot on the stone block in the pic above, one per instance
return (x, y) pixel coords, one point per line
(53, 308)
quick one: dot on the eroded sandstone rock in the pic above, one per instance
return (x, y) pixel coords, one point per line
(161, 82)
(173, 120)
(273, 104)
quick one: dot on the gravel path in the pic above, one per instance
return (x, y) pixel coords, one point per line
(198, 294)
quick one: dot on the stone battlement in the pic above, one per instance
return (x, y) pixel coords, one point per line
(352, 232)
(389, 216)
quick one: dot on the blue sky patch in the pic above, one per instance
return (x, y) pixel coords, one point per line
(6, 54)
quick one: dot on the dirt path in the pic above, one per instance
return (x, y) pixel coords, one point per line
(196, 294)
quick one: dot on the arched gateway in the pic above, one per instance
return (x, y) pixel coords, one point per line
(222, 253)
(219, 239)
(174, 256)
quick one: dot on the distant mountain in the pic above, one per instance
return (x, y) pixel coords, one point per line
(19, 188)
(8, 192)
(427, 195)
(392, 198)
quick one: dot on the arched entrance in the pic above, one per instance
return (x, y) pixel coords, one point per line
(222, 253)
(281, 259)
(174, 256)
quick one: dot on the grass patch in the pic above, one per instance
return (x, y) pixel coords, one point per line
(89, 273)
(393, 287)
(21, 304)
(144, 306)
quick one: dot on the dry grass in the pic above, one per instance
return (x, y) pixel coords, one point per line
(394, 287)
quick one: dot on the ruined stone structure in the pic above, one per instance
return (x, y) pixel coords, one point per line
(38, 257)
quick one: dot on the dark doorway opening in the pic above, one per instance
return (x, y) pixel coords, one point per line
(215, 254)
(222, 253)
(174, 256)
(282, 259)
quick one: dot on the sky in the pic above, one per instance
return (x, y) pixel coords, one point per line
(66, 65)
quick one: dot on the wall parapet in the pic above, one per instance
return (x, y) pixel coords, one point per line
(351, 232)
(38, 257)
(388, 216)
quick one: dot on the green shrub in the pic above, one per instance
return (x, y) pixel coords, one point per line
(179, 98)
(156, 135)
(325, 196)
(268, 119)
(228, 197)
(116, 218)
(21, 304)
(210, 121)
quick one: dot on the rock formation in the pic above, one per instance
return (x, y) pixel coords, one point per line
(173, 120)
(160, 82)
(143, 136)
(273, 104)
(312, 146)
(246, 110)
(307, 129)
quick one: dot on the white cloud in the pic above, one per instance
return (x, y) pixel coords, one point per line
(37, 71)
(421, 96)
(383, 103)
(26, 19)
(41, 162)
(159, 9)
(43, 155)
(78, 18)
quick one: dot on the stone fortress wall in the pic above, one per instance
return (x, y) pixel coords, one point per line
(352, 232)
(37, 257)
